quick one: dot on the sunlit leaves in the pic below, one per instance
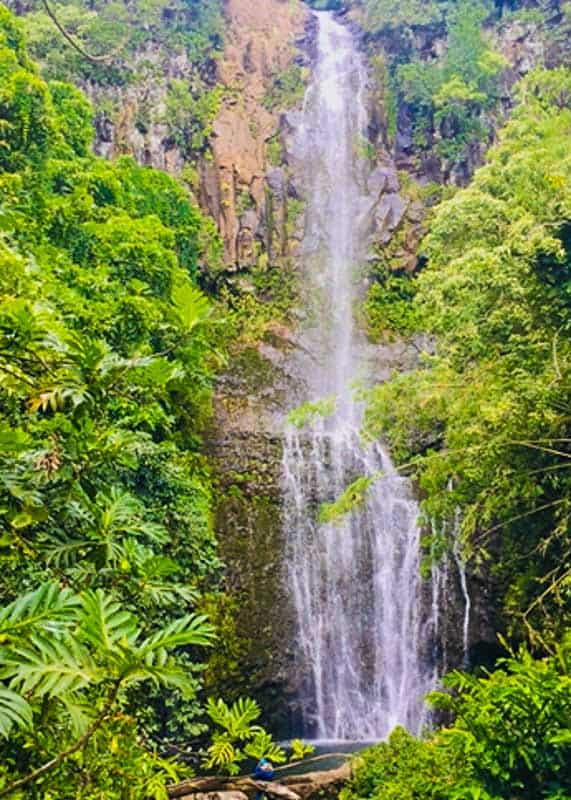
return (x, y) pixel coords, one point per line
(240, 736)
(190, 305)
(351, 499)
(48, 608)
(67, 644)
(105, 377)
(509, 739)
(14, 710)
(486, 418)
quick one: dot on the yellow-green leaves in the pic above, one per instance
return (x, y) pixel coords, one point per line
(190, 305)
(308, 412)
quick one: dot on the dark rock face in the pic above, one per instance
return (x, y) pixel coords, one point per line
(246, 453)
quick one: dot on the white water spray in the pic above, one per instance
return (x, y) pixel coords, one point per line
(355, 585)
(461, 566)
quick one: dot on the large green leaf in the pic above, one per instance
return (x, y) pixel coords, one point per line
(105, 625)
(190, 305)
(49, 607)
(47, 666)
(193, 629)
(14, 711)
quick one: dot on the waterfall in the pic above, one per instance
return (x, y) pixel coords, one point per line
(461, 566)
(355, 584)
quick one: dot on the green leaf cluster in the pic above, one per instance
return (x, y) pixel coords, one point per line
(446, 93)
(66, 660)
(108, 349)
(485, 418)
(194, 28)
(240, 738)
(510, 739)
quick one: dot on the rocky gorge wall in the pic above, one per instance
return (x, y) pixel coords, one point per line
(246, 180)
(262, 384)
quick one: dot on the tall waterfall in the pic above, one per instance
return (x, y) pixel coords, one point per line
(355, 584)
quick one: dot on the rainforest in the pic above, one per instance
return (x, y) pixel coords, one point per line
(285, 399)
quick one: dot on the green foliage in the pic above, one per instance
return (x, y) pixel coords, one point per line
(287, 88)
(194, 27)
(274, 151)
(451, 94)
(121, 38)
(510, 740)
(405, 768)
(445, 96)
(389, 14)
(308, 412)
(240, 737)
(66, 659)
(190, 118)
(107, 354)
(388, 306)
(326, 5)
(486, 418)
(300, 750)
(353, 498)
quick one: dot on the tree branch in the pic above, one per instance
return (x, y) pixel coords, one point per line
(77, 745)
(75, 44)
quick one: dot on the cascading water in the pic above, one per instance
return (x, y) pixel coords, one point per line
(355, 584)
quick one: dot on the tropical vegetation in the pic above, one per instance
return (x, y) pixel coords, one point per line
(114, 322)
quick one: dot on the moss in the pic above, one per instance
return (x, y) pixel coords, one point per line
(253, 614)
(274, 151)
(287, 88)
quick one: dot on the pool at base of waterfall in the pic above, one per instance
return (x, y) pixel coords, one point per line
(332, 753)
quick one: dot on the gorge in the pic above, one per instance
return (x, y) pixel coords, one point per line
(284, 398)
